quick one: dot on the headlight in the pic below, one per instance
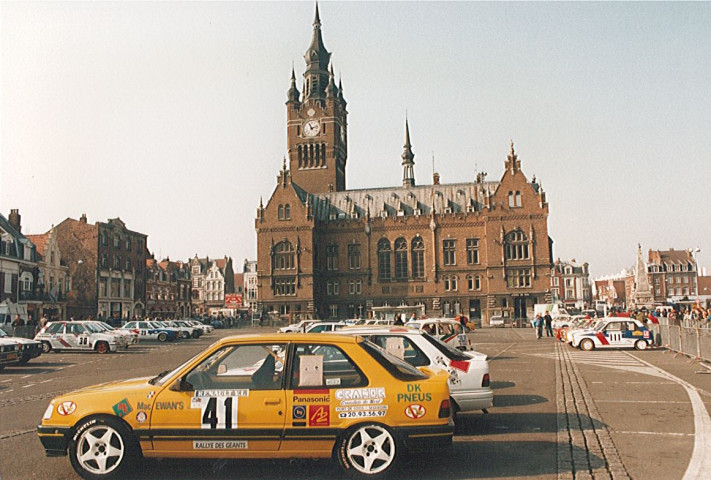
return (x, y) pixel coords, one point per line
(48, 413)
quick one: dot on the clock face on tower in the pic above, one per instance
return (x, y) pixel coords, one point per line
(311, 128)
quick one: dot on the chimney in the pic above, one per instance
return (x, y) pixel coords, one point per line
(435, 178)
(15, 219)
(82, 219)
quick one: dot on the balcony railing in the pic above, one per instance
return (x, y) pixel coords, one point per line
(41, 296)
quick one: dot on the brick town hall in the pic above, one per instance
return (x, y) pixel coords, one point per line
(479, 248)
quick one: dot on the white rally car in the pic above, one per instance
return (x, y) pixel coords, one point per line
(72, 335)
(614, 332)
(469, 381)
(149, 331)
(449, 331)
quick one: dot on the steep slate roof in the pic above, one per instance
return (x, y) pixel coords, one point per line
(398, 201)
(670, 256)
(18, 237)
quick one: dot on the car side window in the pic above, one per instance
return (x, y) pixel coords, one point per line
(613, 327)
(324, 366)
(54, 328)
(402, 347)
(249, 367)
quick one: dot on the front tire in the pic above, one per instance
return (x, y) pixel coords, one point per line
(103, 448)
(587, 345)
(185, 335)
(102, 347)
(641, 344)
(367, 451)
(46, 347)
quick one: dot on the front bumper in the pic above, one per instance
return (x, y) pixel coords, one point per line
(54, 440)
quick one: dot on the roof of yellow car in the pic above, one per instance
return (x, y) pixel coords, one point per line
(289, 337)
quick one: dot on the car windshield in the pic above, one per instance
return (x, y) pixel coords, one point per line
(165, 376)
(93, 328)
(449, 351)
(399, 369)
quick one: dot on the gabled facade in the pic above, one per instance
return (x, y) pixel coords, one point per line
(19, 271)
(219, 280)
(167, 289)
(54, 282)
(480, 248)
(251, 289)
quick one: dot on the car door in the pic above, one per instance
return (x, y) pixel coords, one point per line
(320, 374)
(614, 334)
(229, 404)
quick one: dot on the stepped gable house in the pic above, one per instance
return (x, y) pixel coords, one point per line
(480, 248)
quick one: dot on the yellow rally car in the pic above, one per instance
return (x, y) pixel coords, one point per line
(258, 396)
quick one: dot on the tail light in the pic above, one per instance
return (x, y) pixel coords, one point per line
(485, 380)
(444, 410)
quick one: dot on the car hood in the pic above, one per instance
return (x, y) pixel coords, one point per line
(126, 386)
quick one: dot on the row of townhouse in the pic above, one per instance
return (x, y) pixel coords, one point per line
(103, 270)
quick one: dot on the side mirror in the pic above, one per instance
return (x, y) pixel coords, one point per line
(181, 385)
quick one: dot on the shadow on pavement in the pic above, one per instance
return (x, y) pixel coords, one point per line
(501, 385)
(468, 459)
(518, 400)
(507, 423)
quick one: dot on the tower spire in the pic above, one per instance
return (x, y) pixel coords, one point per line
(317, 58)
(408, 171)
(293, 93)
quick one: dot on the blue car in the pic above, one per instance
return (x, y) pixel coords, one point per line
(150, 331)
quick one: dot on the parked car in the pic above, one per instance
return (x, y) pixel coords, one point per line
(319, 327)
(29, 348)
(297, 327)
(496, 321)
(196, 332)
(200, 325)
(449, 331)
(76, 335)
(321, 396)
(129, 337)
(217, 323)
(9, 352)
(148, 331)
(614, 332)
(469, 380)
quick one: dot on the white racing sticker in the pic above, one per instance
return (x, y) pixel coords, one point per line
(360, 394)
(221, 393)
(219, 412)
(310, 370)
(219, 445)
(395, 346)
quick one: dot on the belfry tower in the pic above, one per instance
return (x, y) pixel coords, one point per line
(317, 128)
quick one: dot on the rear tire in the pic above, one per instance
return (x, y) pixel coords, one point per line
(185, 335)
(587, 345)
(367, 451)
(104, 448)
(162, 337)
(641, 344)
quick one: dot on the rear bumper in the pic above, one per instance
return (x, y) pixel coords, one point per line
(472, 401)
(427, 437)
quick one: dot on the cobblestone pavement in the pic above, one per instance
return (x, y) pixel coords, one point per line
(582, 440)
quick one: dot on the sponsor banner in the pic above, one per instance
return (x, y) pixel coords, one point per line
(367, 401)
(353, 408)
(122, 408)
(360, 393)
(221, 393)
(362, 414)
(319, 416)
(220, 445)
(311, 396)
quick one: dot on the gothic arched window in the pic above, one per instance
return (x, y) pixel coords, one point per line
(418, 258)
(516, 246)
(384, 254)
(401, 259)
(284, 256)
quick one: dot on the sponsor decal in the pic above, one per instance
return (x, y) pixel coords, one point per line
(169, 405)
(414, 394)
(197, 402)
(362, 414)
(415, 411)
(143, 406)
(220, 445)
(331, 382)
(66, 408)
(298, 412)
(319, 416)
(362, 408)
(646, 334)
(219, 412)
(150, 394)
(84, 427)
(311, 396)
(367, 401)
(221, 393)
(360, 393)
(462, 365)
(122, 408)
(141, 417)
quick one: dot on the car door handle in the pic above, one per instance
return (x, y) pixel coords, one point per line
(272, 401)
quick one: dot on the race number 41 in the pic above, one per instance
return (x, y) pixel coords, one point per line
(219, 412)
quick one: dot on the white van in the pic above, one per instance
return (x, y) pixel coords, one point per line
(8, 310)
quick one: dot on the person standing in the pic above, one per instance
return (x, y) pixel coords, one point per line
(549, 324)
(538, 324)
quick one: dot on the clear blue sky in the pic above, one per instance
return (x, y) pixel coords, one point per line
(171, 116)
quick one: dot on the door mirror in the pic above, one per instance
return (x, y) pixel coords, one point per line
(181, 385)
